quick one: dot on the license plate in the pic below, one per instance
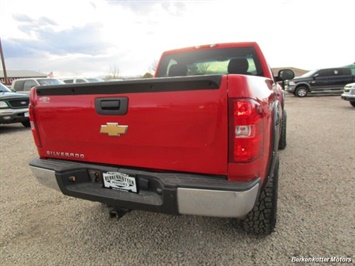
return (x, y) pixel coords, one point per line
(120, 181)
(26, 114)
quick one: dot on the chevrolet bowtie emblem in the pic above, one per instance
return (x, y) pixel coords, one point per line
(113, 129)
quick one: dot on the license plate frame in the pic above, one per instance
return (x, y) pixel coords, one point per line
(120, 181)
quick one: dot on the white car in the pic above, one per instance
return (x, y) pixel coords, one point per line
(80, 80)
(349, 93)
(24, 85)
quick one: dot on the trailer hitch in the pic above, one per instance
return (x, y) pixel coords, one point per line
(118, 213)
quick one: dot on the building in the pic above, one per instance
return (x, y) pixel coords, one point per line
(17, 74)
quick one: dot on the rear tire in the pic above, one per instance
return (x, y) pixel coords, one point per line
(301, 91)
(262, 218)
(352, 104)
(26, 123)
(282, 141)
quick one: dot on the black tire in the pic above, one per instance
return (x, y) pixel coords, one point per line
(352, 104)
(262, 219)
(26, 123)
(282, 140)
(301, 91)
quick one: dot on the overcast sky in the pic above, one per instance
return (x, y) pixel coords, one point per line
(90, 37)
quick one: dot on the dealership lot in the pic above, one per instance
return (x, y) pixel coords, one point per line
(39, 226)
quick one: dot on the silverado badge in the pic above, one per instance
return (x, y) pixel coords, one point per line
(113, 129)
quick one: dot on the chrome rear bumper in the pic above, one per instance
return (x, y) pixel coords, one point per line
(171, 193)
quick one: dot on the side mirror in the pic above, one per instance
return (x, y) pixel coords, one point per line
(285, 74)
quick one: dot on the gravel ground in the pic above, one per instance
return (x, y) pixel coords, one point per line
(39, 226)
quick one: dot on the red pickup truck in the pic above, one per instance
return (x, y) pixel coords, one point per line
(201, 138)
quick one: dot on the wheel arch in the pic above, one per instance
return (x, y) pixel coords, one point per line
(275, 136)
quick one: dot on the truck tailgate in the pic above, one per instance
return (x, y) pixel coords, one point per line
(174, 124)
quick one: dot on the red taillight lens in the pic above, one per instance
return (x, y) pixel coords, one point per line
(34, 127)
(242, 108)
(246, 130)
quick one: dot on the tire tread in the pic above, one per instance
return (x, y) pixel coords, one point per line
(262, 219)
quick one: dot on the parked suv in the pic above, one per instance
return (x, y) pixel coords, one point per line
(330, 80)
(13, 107)
(24, 85)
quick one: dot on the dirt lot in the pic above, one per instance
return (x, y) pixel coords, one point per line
(39, 226)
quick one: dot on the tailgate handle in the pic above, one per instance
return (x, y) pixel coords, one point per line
(111, 106)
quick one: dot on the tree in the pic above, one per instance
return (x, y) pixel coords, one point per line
(114, 71)
(147, 75)
(153, 66)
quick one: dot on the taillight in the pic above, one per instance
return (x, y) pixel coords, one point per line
(33, 121)
(245, 130)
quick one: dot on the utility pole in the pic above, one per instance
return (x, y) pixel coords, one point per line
(3, 63)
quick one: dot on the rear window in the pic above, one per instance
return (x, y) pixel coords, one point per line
(18, 86)
(209, 61)
(29, 84)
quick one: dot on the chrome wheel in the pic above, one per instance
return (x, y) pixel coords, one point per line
(301, 92)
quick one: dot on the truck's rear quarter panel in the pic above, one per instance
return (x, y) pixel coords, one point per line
(181, 130)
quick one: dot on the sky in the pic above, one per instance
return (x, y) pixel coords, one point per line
(93, 37)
